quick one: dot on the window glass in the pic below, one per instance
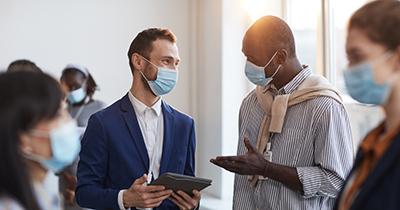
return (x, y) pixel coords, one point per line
(302, 17)
(363, 118)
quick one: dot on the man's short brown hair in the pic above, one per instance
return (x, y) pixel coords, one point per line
(142, 44)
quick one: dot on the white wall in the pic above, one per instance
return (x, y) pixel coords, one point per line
(96, 34)
(209, 92)
(234, 82)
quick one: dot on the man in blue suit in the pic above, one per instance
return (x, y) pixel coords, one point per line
(139, 137)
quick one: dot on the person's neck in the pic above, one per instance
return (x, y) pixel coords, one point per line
(37, 172)
(287, 72)
(392, 109)
(143, 95)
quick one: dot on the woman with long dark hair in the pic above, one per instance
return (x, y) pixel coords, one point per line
(36, 135)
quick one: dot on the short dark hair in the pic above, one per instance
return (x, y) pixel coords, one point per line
(142, 44)
(27, 99)
(276, 34)
(381, 22)
(23, 65)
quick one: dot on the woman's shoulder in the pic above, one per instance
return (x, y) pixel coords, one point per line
(6, 202)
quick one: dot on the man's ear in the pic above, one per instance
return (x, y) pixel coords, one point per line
(137, 61)
(281, 56)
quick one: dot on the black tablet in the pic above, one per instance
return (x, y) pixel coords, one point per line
(182, 182)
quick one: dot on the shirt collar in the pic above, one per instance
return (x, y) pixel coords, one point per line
(293, 84)
(140, 107)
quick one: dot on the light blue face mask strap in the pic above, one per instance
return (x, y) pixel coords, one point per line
(382, 59)
(39, 133)
(149, 61)
(271, 59)
(276, 71)
(393, 78)
(149, 83)
(143, 75)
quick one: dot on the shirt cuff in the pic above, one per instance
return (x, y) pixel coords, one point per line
(310, 178)
(121, 201)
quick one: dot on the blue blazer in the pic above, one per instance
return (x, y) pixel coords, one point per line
(114, 155)
(381, 188)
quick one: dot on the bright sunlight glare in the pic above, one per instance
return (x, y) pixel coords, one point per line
(254, 7)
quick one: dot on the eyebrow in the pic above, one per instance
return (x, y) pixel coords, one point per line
(170, 57)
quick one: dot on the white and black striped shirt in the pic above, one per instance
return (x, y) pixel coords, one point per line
(315, 139)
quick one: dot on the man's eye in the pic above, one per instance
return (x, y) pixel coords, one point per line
(165, 61)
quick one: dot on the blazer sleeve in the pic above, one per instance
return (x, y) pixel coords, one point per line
(92, 169)
(190, 158)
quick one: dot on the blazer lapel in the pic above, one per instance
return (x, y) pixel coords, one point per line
(132, 123)
(169, 131)
(383, 165)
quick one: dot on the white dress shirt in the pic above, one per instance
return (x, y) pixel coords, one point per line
(151, 123)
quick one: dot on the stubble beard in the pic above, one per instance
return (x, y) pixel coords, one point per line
(145, 83)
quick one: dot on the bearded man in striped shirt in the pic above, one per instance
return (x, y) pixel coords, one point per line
(295, 146)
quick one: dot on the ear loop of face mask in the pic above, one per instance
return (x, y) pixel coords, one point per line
(151, 64)
(41, 134)
(148, 82)
(276, 71)
(382, 59)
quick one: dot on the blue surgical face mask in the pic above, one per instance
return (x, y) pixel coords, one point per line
(165, 82)
(360, 82)
(77, 95)
(65, 146)
(256, 74)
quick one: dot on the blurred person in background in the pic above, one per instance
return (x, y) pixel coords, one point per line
(36, 135)
(79, 87)
(373, 77)
(23, 65)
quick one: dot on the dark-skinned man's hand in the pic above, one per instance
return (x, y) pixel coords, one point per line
(251, 163)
